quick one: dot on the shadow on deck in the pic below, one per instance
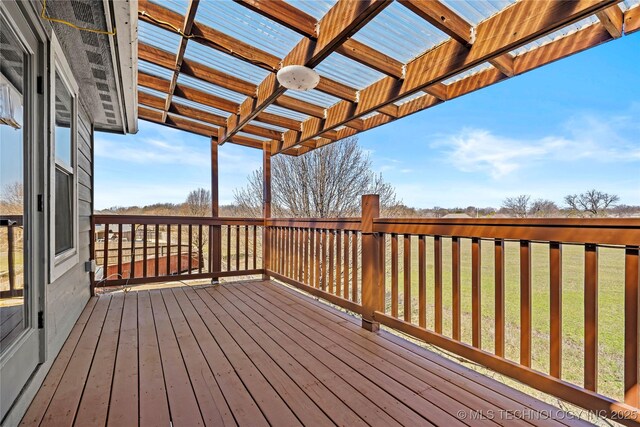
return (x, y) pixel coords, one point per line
(257, 353)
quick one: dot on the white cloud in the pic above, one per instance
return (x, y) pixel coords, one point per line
(603, 140)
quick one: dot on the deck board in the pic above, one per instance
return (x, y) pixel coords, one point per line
(254, 353)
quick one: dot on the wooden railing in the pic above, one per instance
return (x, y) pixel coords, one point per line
(147, 249)
(12, 271)
(429, 278)
(489, 290)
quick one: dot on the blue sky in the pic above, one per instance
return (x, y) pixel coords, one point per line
(564, 128)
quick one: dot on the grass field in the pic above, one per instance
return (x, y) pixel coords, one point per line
(610, 301)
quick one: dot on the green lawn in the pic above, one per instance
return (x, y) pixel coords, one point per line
(610, 300)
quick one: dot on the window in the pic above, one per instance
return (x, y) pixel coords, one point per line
(63, 177)
(64, 188)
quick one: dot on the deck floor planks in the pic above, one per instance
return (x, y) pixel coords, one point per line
(64, 404)
(212, 403)
(409, 400)
(505, 396)
(41, 401)
(123, 408)
(240, 401)
(153, 405)
(94, 404)
(430, 387)
(274, 409)
(345, 379)
(304, 408)
(284, 351)
(252, 354)
(183, 404)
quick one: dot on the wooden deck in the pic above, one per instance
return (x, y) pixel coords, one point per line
(253, 354)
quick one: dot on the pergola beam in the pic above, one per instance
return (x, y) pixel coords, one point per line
(515, 26)
(612, 19)
(342, 20)
(192, 9)
(456, 27)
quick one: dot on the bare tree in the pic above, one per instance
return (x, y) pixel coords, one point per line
(327, 182)
(12, 199)
(592, 202)
(543, 208)
(517, 206)
(198, 203)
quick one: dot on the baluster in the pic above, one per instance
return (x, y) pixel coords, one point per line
(179, 260)
(300, 255)
(345, 288)
(339, 262)
(312, 264)
(324, 260)
(437, 272)
(332, 238)
(237, 248)
(305, 278)
(476, 294)
(168, 249)
(354, 266)
(499, 296)
(144, 250)
(525, 303)
(157, 255)
(246, 247)
(106, 253)
(228, 247)
(591, 317)
(200, 246)
(132, 262)
(407, 277)
(255, 247)
(422, 282)
(394, 275)
(120, 251)
(317, 259)
(190, 250)
(455, 286)
(555, 303)
(631, 332)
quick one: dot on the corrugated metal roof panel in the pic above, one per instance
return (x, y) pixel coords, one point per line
(315, 8)
(400, 33)
(284, 112)
(157, 37)
(243, 24)
(314, 97)
(346, 71)
(210, 88)
(225, 63)
(199, 106)
(155, 70)
(477, 11)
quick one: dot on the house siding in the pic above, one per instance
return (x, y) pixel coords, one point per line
(67, 295)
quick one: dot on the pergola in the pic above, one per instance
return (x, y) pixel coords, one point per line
(210, 67)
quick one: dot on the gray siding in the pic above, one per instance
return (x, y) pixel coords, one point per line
(67, 296)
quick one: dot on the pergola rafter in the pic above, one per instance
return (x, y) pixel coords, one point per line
(301, 123)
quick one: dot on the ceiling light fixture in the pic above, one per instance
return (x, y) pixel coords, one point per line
(298, 77)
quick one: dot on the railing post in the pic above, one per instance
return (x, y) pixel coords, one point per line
(266, 208)
(215, 232)
(371, 276)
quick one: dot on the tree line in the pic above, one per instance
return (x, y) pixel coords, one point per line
(329, 182)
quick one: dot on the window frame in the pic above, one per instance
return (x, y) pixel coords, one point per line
(63, 262)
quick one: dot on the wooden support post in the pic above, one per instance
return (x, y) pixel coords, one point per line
(215, 230)
(371, 277)
(266, 207)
